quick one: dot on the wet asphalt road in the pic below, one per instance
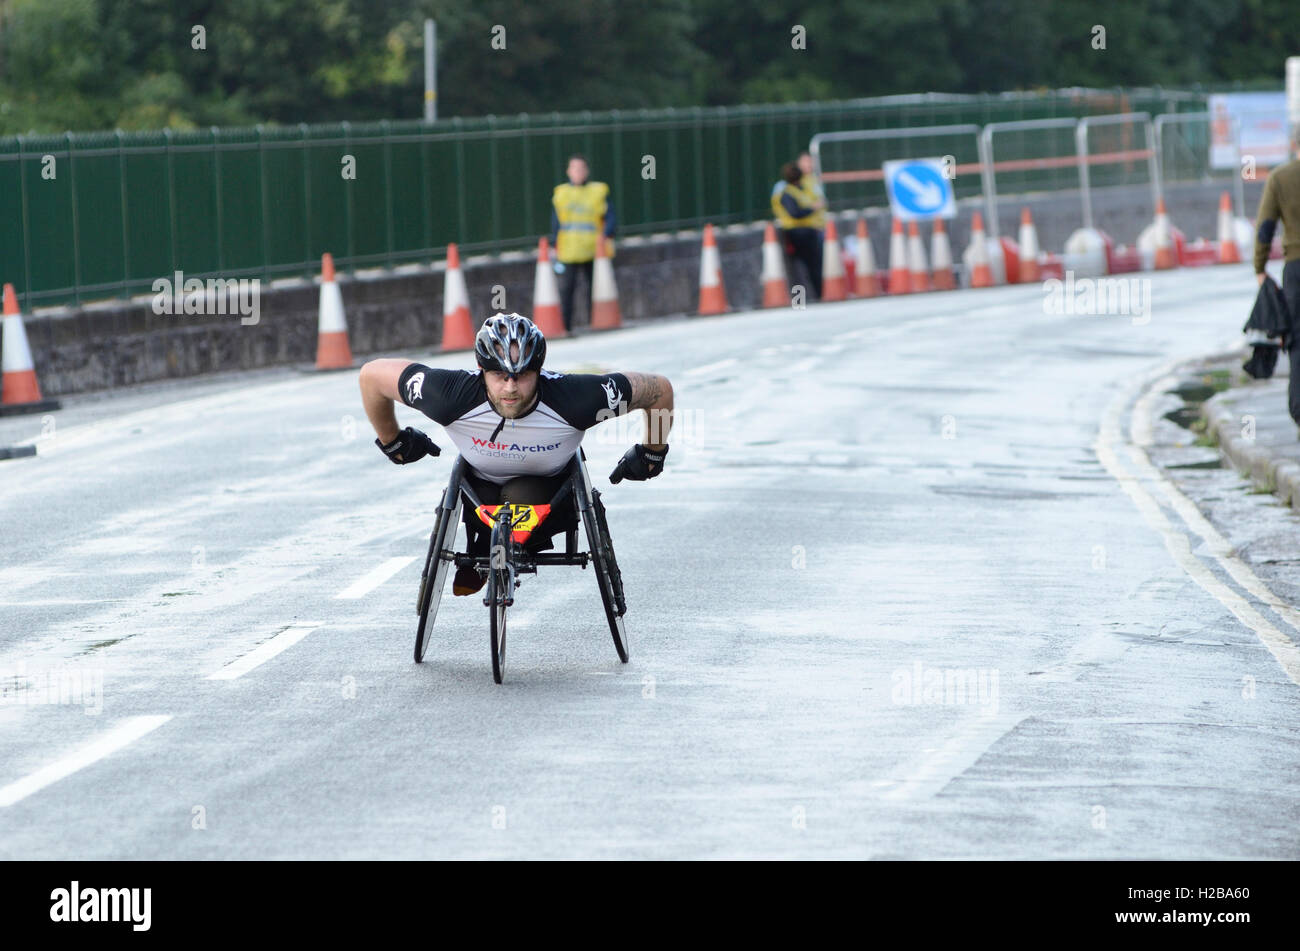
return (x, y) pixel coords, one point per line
(897, 595)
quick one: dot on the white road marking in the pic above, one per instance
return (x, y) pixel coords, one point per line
(51, 602)
(1140, 428)
(374, 578)
(1109, 440)
(266, 650)
(953, 758)
(112, 741)
(709, 367)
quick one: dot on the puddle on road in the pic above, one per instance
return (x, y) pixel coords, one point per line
(100, 645)
(995, 492)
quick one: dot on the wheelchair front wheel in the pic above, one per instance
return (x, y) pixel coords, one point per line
(437, 565)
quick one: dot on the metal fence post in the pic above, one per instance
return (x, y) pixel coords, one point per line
(27, 231)
(988, 181)
(1081, 153)
(306, 197)
(458, 125)
(1238, 186)
(494, 173)
(697, 133)
(618, 143)
(388, 193)
(724, 208)
(646, 216)
(121, 193)
(426, 211)
(216, 185)
(673, 170)
(347, 196)
(171, 196)
(1153, 165)
(746, 146)
(76, 224)
(266, 209)
(525, 135)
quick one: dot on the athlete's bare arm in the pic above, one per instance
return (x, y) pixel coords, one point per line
(654, 394)
(378, 392)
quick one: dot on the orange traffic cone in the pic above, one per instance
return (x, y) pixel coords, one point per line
(332, 350)
(981, 271)
(457, 328)
(605, 313)
(776, 289)
(1029, 272)
(546, 295)
(866, 282)
(941, 254)
(835, 285)
(713, 296)
(1164, 238)
(1229, 253)
(19, 391)
(899, 281)
(918, 270)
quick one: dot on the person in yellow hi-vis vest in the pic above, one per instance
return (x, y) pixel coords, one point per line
(580, 210)
(800, 216)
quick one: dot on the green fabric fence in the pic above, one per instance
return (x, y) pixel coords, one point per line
(100, 215)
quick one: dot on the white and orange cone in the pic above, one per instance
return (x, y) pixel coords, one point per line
(713, 295)
(457, 328)
(918, 270)
(1029, 270)
(19, 390)
(941, 257)
(835, 285)
(605, 312)
(981, 271)
(776, 287)
(1229, 253)
(546, 294)
(866, 282)
(899, 281)
(332, 350)
(1164, 239)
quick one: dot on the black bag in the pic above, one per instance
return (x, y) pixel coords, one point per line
(1270, 313)
(1270, 316)
(1263, 358)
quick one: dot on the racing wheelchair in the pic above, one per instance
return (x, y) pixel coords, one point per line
(511, 523)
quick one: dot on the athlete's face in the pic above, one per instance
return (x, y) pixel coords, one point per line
(511, 396)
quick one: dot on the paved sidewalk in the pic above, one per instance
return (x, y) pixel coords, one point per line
(1256, 433)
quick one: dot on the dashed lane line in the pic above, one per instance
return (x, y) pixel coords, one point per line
(374, 578)
(266, 650)
(115, 739)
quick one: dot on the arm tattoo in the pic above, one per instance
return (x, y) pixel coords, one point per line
(647, 388)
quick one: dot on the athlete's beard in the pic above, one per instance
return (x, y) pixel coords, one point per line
(508, 412)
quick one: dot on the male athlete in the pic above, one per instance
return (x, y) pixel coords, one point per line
(516, 425)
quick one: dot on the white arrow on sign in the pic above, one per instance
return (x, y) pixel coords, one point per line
(928, 195)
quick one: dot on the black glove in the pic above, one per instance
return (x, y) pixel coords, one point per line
(639, 464)
(410, 444)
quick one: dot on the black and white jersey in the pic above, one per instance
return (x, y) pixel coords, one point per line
(541, 442)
